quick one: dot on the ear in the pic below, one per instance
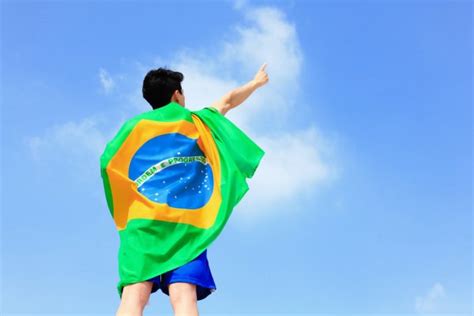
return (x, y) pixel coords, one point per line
(174, 96)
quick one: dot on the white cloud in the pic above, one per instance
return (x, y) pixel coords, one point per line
(239, 4)
(295, 164)
(106, 80)
(75, 147)
(268, 37)
(296, 161)
(429, 302)
(79, 138)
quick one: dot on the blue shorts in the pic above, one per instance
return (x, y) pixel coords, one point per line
(196, 272)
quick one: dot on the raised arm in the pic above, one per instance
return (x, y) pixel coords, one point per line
(235, 97)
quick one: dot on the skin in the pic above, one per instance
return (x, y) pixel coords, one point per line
(183, 295)
(135, 296)
(234, 97)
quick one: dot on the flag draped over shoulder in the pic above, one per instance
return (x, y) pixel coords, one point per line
(171, 179)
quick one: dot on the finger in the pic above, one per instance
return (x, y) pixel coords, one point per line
(263, 66)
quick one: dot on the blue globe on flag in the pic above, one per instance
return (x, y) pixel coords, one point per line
(172, 169)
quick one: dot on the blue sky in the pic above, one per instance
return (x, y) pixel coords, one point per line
(362, 203)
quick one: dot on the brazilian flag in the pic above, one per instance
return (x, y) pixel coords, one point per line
(171, 179)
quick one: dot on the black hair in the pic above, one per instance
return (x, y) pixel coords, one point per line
(159, 85)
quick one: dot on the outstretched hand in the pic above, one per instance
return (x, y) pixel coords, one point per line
(238, 95)
(261, 77)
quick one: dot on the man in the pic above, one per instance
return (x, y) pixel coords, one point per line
(192, 281)
(161, 86)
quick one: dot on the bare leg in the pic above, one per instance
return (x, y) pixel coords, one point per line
(184, 299)
(134, 298)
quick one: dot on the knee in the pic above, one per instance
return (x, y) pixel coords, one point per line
(135, 296)
(182, 293)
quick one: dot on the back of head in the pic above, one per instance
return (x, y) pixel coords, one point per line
(159, 85)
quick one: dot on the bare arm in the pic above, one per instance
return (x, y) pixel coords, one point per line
(235, 97)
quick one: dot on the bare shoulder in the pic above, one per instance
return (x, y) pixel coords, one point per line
(220, 106)
(217, 108)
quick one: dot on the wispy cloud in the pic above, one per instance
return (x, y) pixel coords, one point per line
(268, 37)
(78, 138)
(239, 4)
(265, 35)
(106, 80)
(73, 147)
(429, 302)
(295, 166)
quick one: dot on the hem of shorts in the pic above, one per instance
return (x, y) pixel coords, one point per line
(194, 281)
